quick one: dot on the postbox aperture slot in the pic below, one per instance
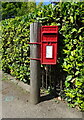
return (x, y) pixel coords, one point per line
(49, 33)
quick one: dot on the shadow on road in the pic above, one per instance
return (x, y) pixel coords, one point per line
(47, 97)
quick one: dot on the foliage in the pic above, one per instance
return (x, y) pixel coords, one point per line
(15, 36)
(73, 32)
(13, 9)
(69, 17)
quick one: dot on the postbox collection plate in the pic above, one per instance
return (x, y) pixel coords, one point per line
(49, 51)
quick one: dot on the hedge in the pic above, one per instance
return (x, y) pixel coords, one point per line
(69, 17)
(15, 38)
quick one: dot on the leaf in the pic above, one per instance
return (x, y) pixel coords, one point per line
(77, 73)
(71, 58)
(70, 95)
(66, 51)
(80, 37)
(69, 77)
(73, 80)
(80, 30)
(74, 30)
(73, 52)
(67, 84)
(71, 18)
(78, 83)
(58, 24)
(63, 28)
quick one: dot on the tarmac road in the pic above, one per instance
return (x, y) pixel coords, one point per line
(15, 104)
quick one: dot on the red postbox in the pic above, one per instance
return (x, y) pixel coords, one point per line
(49, 39)
(48, 43)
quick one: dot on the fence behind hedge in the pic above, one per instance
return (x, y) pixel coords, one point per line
(70, 68)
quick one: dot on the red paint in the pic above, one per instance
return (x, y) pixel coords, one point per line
(49, 37)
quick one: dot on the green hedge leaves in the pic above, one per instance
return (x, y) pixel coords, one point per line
(15, 36)
(73, 32)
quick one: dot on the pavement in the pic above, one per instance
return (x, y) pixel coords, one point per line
(15, 104)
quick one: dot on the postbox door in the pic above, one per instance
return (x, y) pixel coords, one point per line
(49, 39)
